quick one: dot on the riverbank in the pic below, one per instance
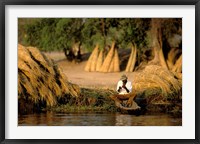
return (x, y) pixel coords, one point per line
(98, 100)
(96, 88)
(63, 90)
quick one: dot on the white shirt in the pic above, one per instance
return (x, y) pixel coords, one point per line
(123, 90)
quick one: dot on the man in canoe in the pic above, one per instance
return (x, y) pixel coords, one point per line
(124, 86)
(124, 89)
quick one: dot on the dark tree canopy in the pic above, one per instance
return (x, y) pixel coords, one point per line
(51, 34)
(55, 33)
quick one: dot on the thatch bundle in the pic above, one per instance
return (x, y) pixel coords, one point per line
(41, 82)
(132, 59)
(141, 86)
(111, 62)
(111, 67)
(96, 61)
(166, 75)
(99, 61)
(155, 77)
(108, 60)
(116, 61)
(91, 63)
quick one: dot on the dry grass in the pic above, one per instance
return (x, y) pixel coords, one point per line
(132, 60)
(156, 77)
(40, 81)
(152, 78)
(99, 61)
(129, 60)
(165, 75)
(108, 59)
(94, 59)
(142, 86)
(116, 61)
(111, 67)
(90, 60)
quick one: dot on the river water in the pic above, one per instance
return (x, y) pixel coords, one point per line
(96, 119)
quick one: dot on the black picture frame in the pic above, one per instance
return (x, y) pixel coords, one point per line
(3, 4)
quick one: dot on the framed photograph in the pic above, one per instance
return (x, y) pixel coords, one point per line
(99, 71)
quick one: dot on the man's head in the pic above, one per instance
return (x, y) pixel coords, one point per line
(124, 78)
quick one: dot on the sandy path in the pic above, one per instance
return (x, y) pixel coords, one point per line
(77, 75)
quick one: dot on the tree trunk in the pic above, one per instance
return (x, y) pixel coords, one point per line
(156, 32)
(178, 65)
(103, 31)
(172, 57)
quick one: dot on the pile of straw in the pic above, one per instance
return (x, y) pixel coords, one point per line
(132, 59)
(96, 61)
(156, 78)
(41, 83)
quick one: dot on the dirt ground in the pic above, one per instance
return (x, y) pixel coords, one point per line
(76, 74)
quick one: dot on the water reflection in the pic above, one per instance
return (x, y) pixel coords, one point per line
(123, 120)
(96, 119)
(147, 120)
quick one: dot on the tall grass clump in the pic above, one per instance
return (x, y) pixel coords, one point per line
(41, 83)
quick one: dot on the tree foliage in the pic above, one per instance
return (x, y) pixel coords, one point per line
(56, 33)
(49, 34)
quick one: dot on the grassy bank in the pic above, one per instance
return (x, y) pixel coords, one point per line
(94, 100)
(90, 100)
